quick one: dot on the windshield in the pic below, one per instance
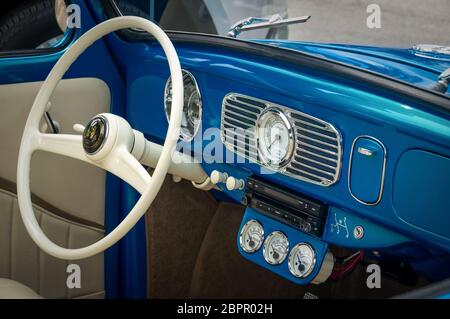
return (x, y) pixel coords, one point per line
(396, 23)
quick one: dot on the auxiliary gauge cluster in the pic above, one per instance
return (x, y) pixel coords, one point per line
(301, 258)
(282, 231)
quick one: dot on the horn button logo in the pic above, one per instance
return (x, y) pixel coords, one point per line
(94, 135)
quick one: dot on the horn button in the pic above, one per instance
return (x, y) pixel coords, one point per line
(94, 135)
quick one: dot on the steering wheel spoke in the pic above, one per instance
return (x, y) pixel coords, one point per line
(69, 145)
(122, 164)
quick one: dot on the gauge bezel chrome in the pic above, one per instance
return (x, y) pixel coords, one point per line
(265, 248)
(277, 112)
(241, 236)
(184, 136)
(290, 263)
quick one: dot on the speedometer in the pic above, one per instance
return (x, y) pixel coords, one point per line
(275, 138)
(192, 106)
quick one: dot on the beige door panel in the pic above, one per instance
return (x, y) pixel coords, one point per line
(71, 191)
(72, 186)
(22, 261)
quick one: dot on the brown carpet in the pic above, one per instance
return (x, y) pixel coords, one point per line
(221, 272)
(176, 224)
(193, 254)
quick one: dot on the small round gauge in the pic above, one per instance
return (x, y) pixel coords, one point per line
(275, 138)
(252, 236)
(276, 248)
(192, 107)
(302, 260)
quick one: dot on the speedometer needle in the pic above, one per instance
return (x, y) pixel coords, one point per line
(277, 137)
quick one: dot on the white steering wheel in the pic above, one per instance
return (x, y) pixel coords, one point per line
(108, 142)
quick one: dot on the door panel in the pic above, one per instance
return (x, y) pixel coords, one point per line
(77, 202)
(70, 185)
(74, 191)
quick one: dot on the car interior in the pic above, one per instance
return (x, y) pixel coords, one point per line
(169, 160)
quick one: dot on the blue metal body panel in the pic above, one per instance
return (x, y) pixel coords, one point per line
(418, 171)
(133, 251)
(445, 296)
(400, 125)
(340, 226)
(405, 64)
(294, 237)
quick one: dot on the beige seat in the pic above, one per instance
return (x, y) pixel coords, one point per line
(11, 289)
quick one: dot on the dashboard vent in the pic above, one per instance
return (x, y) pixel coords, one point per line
(318, 146)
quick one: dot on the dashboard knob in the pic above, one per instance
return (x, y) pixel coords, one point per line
(218, 177)
(234, 183)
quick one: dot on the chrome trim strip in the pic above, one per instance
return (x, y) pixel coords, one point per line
(318, 134)
(383, 172)
(235, 97)
(432, 48)
(243, 135)
(318, 163)
(317, 141)
(227, 119)
(311, 124)
(316, 148)
(322, 180)
(317, 155)
(321, 171)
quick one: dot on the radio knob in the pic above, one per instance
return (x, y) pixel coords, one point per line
(218, 177)
(234, 183)
(306, 227)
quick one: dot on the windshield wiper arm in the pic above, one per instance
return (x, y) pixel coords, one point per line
(253, 23)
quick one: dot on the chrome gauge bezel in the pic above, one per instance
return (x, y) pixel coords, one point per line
(291, 263)
(184, 134)
(266, 249)
(247, 225)
(260, 125)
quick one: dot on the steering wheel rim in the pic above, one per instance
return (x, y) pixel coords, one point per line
(119, 161)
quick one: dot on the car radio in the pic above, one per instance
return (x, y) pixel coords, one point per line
(294, 209)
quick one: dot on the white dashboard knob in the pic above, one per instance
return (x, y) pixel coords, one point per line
(218, 177)
(78, 128)
(233, 183)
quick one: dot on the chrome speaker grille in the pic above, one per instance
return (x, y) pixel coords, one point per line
(238, 125)
(318, 145)
(317, 155)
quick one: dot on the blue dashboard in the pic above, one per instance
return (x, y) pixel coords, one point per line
(412, 208)
(395, 204)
